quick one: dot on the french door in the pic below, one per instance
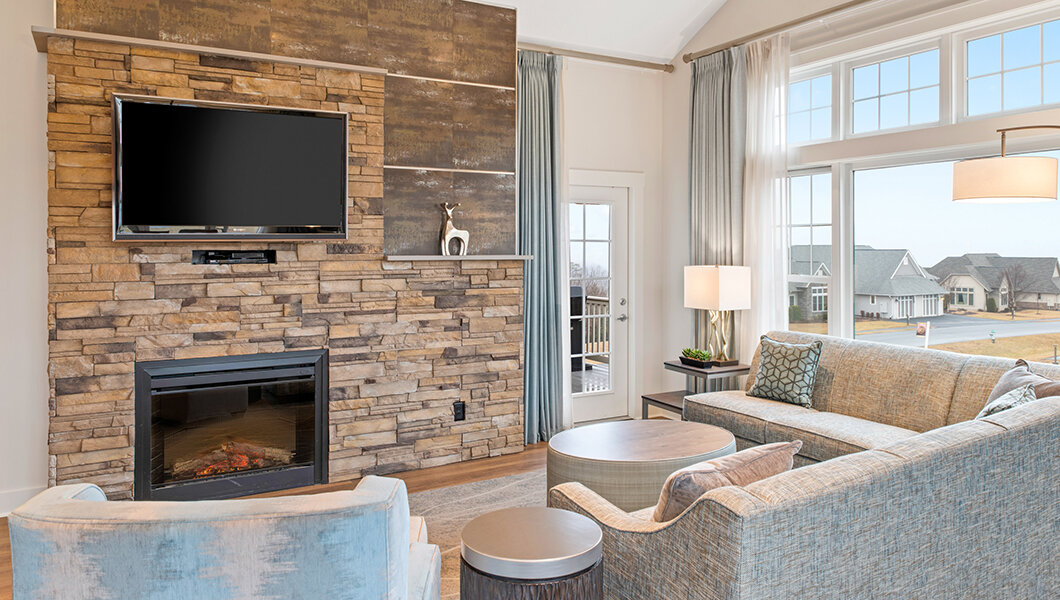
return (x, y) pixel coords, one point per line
(598, 274)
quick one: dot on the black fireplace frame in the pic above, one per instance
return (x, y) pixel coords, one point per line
(152, 375)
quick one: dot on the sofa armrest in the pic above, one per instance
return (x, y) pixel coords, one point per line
(575, 497)
(425, 572)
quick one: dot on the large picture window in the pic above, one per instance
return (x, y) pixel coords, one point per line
(810, 251)
(986, 276)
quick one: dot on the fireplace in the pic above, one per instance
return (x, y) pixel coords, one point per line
(230, 426)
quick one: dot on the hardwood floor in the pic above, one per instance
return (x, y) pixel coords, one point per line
(531, 459)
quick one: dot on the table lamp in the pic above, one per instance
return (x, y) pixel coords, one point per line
(720, 290)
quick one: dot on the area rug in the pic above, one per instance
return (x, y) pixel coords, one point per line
(448, 509)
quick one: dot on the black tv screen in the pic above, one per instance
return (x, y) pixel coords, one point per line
(195, 170)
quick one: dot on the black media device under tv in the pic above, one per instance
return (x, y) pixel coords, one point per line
(186, 169)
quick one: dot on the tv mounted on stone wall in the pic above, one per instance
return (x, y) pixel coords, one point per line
(188, 169)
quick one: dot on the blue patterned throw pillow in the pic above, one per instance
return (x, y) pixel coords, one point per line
(786, 372)
(1016, 397)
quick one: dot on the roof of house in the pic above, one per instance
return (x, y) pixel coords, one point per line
(1042, 272)
(875, 270)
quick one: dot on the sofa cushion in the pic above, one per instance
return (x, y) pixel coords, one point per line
(786, 372)
(742, 415)
(828, 435)
(1019, 396)
(910, 388)
(978, 376)
(684, 486)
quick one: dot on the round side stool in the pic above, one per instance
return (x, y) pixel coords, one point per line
(532, 553)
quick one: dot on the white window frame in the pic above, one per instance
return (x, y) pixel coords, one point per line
(826, 280)
(947, 140)
(935, 43)
(960, 75)
(801, 75)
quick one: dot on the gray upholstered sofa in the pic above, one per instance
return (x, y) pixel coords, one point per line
(910, 499)
(866, 395)
(69, 543)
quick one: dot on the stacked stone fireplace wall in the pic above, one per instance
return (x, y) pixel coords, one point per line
(406, 339)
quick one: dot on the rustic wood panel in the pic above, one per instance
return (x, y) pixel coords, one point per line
(483, 129)
(413, 218)
(214, 23)
(447, 126)
(444, 39)
(484, 48)
(333, 30)
(405, 339)
(134, 18)
(419, 123)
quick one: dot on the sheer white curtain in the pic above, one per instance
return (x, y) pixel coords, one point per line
(765, 190)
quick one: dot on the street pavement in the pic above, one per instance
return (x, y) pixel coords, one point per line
(960, 328)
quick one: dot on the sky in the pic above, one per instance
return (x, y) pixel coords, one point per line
(912, 208)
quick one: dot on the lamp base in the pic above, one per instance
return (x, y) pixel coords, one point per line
(720, 321)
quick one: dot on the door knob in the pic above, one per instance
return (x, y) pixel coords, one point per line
(623, 318)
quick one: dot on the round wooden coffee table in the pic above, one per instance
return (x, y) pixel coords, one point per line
(531, 553)
(627, 462)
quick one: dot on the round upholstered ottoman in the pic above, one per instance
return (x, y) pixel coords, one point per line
(627, 462)
(532, 553)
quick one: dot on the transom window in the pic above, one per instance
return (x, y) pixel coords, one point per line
(1013, 70)
(810, 110)
(896, 93)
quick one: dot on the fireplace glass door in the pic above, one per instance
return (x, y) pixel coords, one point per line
(217, 431)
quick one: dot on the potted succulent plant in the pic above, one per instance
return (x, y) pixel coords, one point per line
(696, 358)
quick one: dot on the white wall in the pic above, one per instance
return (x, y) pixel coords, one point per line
(613, 122)
(23, 219)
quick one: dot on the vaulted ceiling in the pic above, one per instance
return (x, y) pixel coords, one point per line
(641, 29)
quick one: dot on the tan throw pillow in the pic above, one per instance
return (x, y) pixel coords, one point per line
(1021, 375)
(685, 486)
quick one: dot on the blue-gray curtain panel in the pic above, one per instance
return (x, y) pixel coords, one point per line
(538, 143)
(716, 152)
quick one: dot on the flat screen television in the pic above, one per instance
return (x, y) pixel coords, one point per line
(186, 169)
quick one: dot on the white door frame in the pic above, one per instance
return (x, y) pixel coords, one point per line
(633, 182)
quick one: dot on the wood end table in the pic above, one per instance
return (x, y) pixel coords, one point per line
(713, 377)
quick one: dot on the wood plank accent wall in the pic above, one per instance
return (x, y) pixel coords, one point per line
(406, 339)
(429, 125)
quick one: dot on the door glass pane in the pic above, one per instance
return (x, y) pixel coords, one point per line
(591, 314)
(920, 257)
(577, 221)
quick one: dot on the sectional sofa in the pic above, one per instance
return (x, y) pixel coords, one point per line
(903, 495)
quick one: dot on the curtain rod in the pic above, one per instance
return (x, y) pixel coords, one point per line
(691, 56)
(629, 62)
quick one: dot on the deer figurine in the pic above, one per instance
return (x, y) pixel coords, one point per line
(450, 232)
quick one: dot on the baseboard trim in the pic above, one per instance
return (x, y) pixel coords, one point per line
(12, 499)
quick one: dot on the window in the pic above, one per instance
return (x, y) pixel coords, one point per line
(810, 250)
(963, 296)
(590, 291)
(896, 93)
(1013, 70)
(819, 297)
(872, 300)
(792, 300)
(810, 110)
(937, 256)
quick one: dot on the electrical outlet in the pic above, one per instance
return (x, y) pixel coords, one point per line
(458, 410)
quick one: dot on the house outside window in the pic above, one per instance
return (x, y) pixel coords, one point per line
(964, 296)
(819, 298)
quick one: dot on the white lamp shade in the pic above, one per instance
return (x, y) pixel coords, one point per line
(718, 287)
(1005, 179)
